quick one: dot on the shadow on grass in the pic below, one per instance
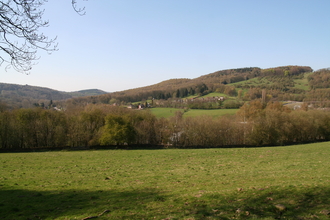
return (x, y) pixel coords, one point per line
(295, 203)
(268, 203)
(70, 204)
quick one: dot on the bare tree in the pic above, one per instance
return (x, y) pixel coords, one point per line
(20, 36)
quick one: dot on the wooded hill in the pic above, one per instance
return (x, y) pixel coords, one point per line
(25, 96)
(92, 121)
(295, 83)
(179, 88)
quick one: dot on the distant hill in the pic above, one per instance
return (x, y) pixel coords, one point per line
(296, 83)
(87, 92)
(18, 96)
(283, 78)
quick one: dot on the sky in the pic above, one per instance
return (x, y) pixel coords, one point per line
(125, 44)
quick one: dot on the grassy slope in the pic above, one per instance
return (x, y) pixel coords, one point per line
(259, 81)
(302, 83)
(164, 112)
(215, 94)
(210, 112)
(174, 184)
(169, 112)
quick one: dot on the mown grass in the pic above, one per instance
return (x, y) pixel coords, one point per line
(210, 112)
(164, 112)
(170, 112)
(168, 184)
(215, 94)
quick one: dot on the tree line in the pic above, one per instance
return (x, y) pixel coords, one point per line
(255, 124)
(320, 79)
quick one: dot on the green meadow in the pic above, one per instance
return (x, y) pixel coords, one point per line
(291, 182)
(302, 83)
(164, 112)
(215, 94)
(170, 112)
(210, 112)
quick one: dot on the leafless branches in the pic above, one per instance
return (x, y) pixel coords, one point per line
(80, 11)
(20, 39)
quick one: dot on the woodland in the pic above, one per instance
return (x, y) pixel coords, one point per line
(255, 124)
(275, 106)
(112, 120)
(26, 96)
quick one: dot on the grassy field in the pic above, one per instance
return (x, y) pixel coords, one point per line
(215, 94)
(298, 83)
(169, 112)
(302, 83)
(290, 182)
(210, 112)
(164, 112)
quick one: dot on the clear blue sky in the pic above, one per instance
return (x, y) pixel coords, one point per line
(124, 44)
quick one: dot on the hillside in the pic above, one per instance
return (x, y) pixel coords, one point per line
(286, 79)
(87, 92)
(18, 96)
(296, 83)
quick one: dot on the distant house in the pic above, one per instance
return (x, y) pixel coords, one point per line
(221, 98)
(57, 109)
